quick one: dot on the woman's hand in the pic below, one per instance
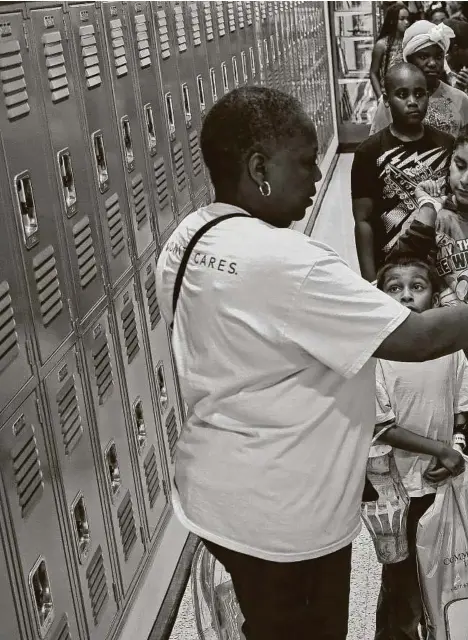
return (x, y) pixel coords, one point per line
(462, 79)
(453, 464)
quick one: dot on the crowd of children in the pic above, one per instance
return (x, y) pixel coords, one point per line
(410, 203)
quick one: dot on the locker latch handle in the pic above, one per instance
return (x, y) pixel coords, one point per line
(41, 595)
(244, 67)
(214, 92)
(27, 209)
(139, 424)
(100, 161)
(68, 182)
(113, 471)
(201, 94)
(187, 109)
(235, 71)
(225, 77)
(150, 129)
(252, 61)
(162, 388)
(127, 142)
(81, 528)
(170, 116)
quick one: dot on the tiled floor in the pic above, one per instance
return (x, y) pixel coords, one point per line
(334, 226)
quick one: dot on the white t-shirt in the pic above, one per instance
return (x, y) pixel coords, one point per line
(273, 339)
(422, 397)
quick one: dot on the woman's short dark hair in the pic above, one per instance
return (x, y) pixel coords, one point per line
(409, 260)
(247, 119)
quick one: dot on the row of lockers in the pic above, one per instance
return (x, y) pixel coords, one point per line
(99, 131)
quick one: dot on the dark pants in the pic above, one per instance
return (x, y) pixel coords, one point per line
(305, 600)
(400, 608)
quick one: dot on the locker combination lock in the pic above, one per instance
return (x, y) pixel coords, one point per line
(27, 209)
(81, 528)
(150, 130)
(139, 424)
(41, 595)
(68, 182)
(127, 143)
(100, 162)
(113, 471)
(162, 388)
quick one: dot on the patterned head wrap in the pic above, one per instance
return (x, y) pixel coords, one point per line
(422, 34)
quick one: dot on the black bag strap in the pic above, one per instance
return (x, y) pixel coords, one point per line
(185, 258)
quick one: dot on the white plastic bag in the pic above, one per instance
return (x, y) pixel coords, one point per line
(442, 552)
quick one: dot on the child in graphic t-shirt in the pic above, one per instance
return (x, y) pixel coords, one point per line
(389, 165)
(424, 403)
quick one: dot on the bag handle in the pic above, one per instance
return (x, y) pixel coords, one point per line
(185, 258)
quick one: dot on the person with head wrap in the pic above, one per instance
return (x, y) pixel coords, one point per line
(425, 45)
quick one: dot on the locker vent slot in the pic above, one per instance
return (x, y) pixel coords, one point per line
(129, 327)
(171, 430)
(161, 182)
(153, 306)
(163, 34)
(141, 30)
(208, 21)
(63, 630)
(115, 224)
(231, 18)
(152, 478)
(55, 63)
(240, 15)
(85, 252)
(180, 28)
(89, 53)
(97, 585)
(195, 153)
(103, 369)
(179, 166)
(195, 24)
(220, 16)
(69, 412)
(13, 82)
(47, 285)
(8, 337)
(248, 11)
(27, 470)
(118, 45)
(127, 525)
(140, 201)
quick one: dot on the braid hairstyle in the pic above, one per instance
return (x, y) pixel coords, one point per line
(388, 31)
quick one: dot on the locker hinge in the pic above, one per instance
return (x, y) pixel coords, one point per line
(116, 595)
(142, 536)
(29, 353)
(40, 412)
(164, 484)
(72, 316)
(26, 36)
(78, 363)
(65, 28)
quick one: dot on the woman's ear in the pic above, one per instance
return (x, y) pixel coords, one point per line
(256, 168)
(435, 300)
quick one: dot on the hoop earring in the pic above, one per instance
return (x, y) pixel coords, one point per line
(265, 186)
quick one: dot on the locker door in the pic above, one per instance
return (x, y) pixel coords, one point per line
(26, 477)
(164, 371)
(80, 480)
(9, 613)
(251, 43)
(176, 122)
(103, 152)
(36, 208)
(15, 345)
(212, 52)
(275, 45)
(143, 428)
(53, 69)
(130, 134)
(286, 51)
(224, 44)
(116, 457)
(259, 37)
(234, 36)
(245, 40)
(149, 91)
(198, 41)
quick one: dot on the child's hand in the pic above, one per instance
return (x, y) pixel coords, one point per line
(430, 192)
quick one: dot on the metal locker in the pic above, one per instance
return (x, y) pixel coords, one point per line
(79, 475)
(234, 37)
(163, 366)
(224, 44)
(130, 134)
(288, 67)
(91, 75)
(142, 425)
(53, 69)
(259, 35)
(176, 120)
(246, 43)
(26, 477)
(36, 209)
(277, 45)
(149, 93)
(212, 52)
(198, 40)
(109, 416)
(13, 627)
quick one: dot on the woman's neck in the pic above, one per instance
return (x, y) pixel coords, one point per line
(433, 88)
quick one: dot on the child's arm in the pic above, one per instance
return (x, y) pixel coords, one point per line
(459, 432)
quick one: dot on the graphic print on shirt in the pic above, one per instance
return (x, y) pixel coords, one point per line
(401, 172)
(440, 114)
(452, 266)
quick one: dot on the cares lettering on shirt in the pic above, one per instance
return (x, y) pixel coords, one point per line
(212, 262)
(175, 247)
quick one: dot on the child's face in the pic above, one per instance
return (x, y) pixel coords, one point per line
(431, 62)
(407, 98)
(459, 176)
(438, 17)
(410, 285)
(403, 21)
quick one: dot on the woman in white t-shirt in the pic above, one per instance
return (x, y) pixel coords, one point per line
(273, 338)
